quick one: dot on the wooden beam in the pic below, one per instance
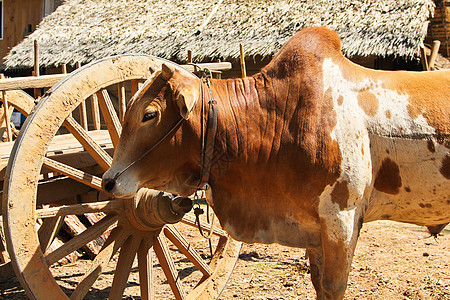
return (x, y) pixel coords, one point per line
(222, 66)
(21, 83)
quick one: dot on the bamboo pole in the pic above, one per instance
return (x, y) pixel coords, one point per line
(36, 58)
(6, 114)
(423, 58)
(243, 70)
(122, 101)
(434, 52)
(37, 92)
(189, 60)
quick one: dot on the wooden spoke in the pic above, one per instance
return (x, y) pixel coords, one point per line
(78, 175)
(184, 246)
(83, 115)
(190, 220)
(82, 239)
(48, 230)
(112, 244)
(110, 116)
(79, 209)
(98, 153)
(124, 264)
(145, 263)
(162, 252)
(4, 257)
(95, 112)
(122, 101)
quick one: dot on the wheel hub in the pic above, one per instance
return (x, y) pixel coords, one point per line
(150, 210)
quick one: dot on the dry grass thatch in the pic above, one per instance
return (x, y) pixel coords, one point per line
(86, 30)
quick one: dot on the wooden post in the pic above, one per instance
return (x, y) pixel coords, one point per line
(189, 57)
(36, 58)
(122, 101)
(219, 73)
(423, 58)
(37, 92)
(63, 68)
(134, 86)
(6, 114)
(82, 108)
(445, 22)
(95, 112)
(243, 70)
(434, 52)
(83, 115)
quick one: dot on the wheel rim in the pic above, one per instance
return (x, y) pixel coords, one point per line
(24, 103)
(22, 209)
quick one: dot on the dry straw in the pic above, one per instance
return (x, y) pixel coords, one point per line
(87, 30)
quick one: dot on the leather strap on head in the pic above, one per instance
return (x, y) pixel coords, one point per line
(208, 138)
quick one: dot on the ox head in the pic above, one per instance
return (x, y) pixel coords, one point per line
(158, 146)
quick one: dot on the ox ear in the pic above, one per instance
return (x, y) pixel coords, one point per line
(185, 92)
(186, 98)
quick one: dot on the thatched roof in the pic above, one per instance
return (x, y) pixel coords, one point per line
(86, 30)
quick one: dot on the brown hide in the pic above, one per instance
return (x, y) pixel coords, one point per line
(273, 155)
(304, 151)
(274, 129)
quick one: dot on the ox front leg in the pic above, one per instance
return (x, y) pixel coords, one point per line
(316, 265)
(330, 264)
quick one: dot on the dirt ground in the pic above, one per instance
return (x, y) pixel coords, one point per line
(392, 261)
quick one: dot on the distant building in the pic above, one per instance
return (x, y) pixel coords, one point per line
(19, 19)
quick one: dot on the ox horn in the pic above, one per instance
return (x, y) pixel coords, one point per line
(155, 82)
(167, 71)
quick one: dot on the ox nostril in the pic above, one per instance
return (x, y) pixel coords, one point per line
(109, 186)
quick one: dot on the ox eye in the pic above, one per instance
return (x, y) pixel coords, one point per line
(149, 116)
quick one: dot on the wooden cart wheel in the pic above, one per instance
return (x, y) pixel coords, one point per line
(181, 253)
(21, 101)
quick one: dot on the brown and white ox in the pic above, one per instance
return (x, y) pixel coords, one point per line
(306, 151)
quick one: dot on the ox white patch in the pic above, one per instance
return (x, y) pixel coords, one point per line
(398, 124)
(366, 138)
(352, 137)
